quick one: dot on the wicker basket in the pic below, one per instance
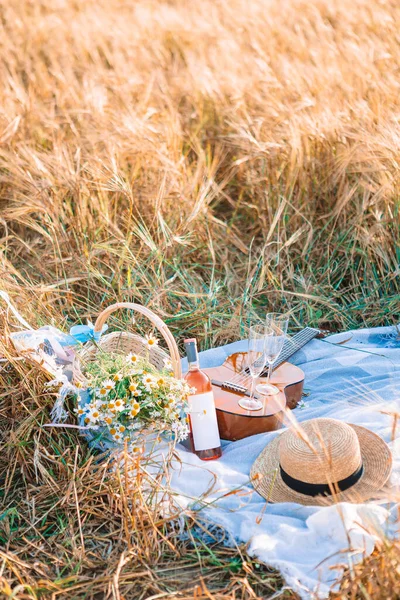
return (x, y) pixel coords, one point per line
(123, 342)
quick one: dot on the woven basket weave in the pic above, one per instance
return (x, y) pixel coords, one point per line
(123, 342)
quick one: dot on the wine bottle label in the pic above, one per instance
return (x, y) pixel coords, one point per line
(203, 417)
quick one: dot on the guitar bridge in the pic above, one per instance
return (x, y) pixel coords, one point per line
(233, 387)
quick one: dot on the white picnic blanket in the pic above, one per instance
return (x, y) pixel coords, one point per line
(357, 382)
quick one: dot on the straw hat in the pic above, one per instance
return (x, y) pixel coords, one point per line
(322, 461)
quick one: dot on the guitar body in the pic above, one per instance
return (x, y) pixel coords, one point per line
(235, 422)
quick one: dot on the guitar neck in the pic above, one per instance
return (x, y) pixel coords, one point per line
(292, 345)
(238, 384)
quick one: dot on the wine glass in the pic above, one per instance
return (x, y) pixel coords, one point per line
(256, 363)
(275, 335)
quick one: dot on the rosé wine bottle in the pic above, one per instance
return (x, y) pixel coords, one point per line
(204, 432)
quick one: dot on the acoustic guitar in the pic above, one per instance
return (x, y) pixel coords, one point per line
(231, 381)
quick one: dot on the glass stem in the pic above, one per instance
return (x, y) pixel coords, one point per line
(269, 372)
(253, 383)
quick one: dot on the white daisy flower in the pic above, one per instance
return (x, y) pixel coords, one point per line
(181, 430)
(119, 404)
(134, 426)
(132, 358)
(171, 399)
(136, 372)
(118, 377)
(168, 364)
(108, 384)
(80, 411)
(93, 414)
(178, 385)
(151, 341)
(102, 392)
(149, 381)
(134, 409)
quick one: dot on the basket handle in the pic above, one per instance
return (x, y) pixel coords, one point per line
(157, 322)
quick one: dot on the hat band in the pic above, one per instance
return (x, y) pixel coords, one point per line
(317, 489)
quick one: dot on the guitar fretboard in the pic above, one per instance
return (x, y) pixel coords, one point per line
(292, 345)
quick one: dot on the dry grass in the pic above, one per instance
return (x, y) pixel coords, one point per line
(208, 159)
(377, 578)
(70, 530)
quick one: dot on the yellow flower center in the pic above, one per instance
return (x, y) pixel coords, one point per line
(96, 414)
(103, 392)
(113, 431)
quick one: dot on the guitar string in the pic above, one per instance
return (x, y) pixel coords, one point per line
(243, 376)
(299, 340)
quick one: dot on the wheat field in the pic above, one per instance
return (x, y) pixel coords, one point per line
(211, 160)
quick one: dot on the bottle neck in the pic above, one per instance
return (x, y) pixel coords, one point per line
(194, 366)
(192, 354)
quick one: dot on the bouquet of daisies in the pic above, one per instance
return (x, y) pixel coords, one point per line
(127, 395)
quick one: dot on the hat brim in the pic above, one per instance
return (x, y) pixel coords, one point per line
(377, 462)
